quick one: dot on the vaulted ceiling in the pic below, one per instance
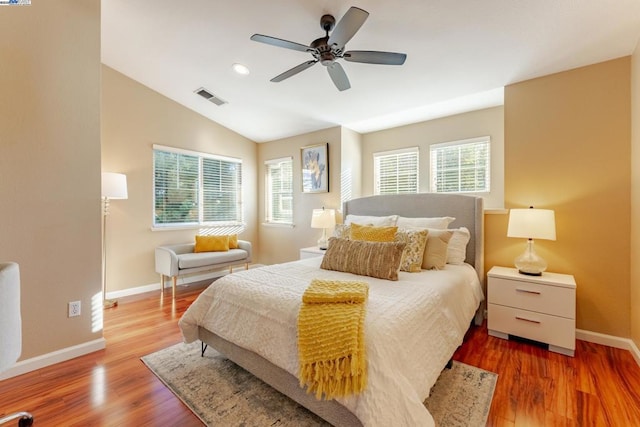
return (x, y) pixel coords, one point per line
(460, 55)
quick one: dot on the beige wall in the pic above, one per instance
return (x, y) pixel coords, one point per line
(50, 166)
(351, 165)
(487, 122)
(567, 148)
(134, 118)
(635, 196)
(281, 244)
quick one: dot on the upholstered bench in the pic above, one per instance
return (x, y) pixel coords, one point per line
(179, 260)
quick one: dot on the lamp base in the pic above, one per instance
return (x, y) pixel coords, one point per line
(109, 303)
(322, 241)
(530, 263)
(530, 273)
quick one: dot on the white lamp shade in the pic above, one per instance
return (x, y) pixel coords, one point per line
(323, 218)
(114, 185)
(532, 224)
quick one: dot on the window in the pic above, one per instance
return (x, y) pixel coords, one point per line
(192, 188)
(279, 189)
(396, 172)
(461, 166)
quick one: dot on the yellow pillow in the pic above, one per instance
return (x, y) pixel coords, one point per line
(212, 244)
(233, 241)
(372, 234)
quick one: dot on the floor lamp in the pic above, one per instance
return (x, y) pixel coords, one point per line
(114, 186)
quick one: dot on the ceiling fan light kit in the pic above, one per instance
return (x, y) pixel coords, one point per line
(328, 49)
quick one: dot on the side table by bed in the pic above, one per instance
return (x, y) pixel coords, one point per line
(311, 252)
(539, 308)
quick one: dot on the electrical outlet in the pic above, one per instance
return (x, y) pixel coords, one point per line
(74, 308)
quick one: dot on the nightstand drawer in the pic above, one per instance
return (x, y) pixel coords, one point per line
(552, 330)
(553, 300)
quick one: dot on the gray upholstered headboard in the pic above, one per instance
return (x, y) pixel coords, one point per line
(468, 211)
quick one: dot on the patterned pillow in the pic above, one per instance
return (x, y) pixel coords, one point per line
(342, 231)
(416, 241)
(372, 234)
(374, 259)
(435, 253)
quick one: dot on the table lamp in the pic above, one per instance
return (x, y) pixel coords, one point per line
(531, 224)
(323, 218)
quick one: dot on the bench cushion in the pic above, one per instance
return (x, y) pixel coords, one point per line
(201, 259)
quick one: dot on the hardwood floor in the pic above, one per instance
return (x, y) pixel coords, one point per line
(599, 387)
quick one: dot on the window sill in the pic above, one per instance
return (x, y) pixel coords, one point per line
(278, 225)
(231, 227)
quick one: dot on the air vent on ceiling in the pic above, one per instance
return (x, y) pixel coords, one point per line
(210, 97)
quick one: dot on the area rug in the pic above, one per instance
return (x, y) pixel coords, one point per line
(222, 394)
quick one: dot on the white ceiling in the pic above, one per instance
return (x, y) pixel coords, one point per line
(460, 54)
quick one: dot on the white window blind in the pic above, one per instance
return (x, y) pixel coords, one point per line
(191, 188)
(279, 190)
(396, 172)
(461, 166)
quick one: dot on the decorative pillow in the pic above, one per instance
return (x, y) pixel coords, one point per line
(233, 241)
(435, 253)
(457, 249)
(371, 233)
(435, 222)
(380, 221)
(212, 244)
(374, 259)
(342, 231)
(416, 241)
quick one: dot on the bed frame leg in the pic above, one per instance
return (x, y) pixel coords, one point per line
(449, 364)
(204, 348)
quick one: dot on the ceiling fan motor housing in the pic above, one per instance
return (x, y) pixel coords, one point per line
(323, 52)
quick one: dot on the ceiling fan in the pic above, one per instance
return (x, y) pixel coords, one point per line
(328, 49)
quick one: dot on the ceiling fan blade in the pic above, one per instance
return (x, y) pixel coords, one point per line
(348, 25)
(375, 57)
(279, 42)
(339, 77)
(292, 72)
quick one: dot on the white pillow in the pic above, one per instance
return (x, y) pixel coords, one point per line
(457, 249)
(435, 222)
(377, 221)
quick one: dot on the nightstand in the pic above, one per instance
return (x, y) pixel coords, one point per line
(311, 252)
(539, 308)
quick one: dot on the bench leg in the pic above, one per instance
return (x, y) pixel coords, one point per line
(175, 283)
(230, 269)
(246, 265)
(162, 285)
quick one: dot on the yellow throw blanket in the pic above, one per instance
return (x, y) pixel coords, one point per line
(331, 338)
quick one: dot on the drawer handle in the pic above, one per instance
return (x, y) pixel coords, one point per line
(526, 291)
(527, 320)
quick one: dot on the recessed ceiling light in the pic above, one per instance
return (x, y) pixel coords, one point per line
(240, 69)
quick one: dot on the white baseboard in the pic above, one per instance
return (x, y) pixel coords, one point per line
(611, 341)
(185, 280)
(42, 361)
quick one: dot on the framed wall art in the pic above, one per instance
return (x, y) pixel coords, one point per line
(315, 168)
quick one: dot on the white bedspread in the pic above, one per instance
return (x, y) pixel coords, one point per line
(412, 328)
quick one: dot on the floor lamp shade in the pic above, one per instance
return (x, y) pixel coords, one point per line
(531, 224)
(114, 185)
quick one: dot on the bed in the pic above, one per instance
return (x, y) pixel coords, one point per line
(249, 317)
